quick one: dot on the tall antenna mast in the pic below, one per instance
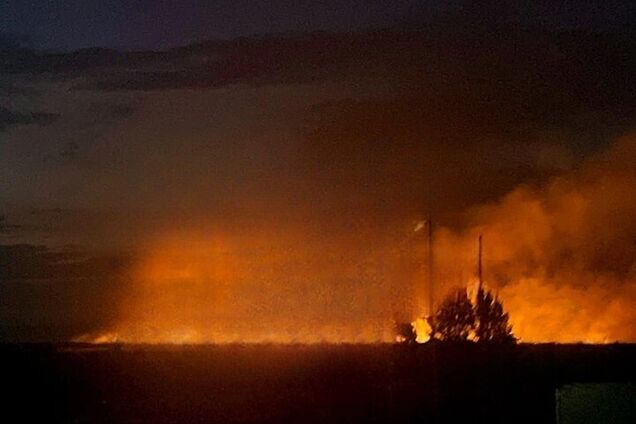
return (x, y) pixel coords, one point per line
(431, 285)
(479, 269)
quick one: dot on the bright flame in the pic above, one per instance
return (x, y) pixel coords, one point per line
(422, 329)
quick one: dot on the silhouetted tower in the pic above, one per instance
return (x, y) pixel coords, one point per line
(431, 282)
(479, 267)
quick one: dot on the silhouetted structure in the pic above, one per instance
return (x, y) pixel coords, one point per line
(491, 322)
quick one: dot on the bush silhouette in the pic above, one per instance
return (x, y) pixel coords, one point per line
(459, 319)
(491, 320)
(405, 332)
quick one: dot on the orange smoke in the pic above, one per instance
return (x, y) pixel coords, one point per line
(252, 287)
(563, 256)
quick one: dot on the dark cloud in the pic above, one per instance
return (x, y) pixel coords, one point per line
(8, 228)
(513, 62)
(454, 143)
(524, 101)
(15, 87)
(73, 64)
(432, 108)
(106, 110)
(70, 150)
(516, 59)
(9, 118)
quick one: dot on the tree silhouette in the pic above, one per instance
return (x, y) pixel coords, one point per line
(405, 333)
(491, 320)
(454, 320)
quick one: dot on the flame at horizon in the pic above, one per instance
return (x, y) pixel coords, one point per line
(251, 288)
(562, 257)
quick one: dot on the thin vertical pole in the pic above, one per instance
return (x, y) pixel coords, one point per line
(431, 282)
(479, 267)
(431, 312)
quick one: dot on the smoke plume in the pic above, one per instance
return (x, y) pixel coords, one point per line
(561, 256)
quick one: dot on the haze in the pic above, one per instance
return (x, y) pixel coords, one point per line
(267, 188)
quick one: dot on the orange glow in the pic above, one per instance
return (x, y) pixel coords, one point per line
(422, 329)
(243, 287)
(561, 257)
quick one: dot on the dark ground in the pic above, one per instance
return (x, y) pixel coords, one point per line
(299, 384)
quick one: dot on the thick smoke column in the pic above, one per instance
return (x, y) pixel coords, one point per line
(562, 256)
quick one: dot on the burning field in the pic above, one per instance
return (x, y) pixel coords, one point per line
(278, 187)
(563, 256)
(560, 255)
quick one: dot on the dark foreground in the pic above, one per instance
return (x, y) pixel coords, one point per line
(300, 384)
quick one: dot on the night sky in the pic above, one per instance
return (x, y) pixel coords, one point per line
(178, 167)
(152, 24)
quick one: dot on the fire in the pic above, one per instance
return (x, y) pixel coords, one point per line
(561, 257)
(422, 329)
(241, 288)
